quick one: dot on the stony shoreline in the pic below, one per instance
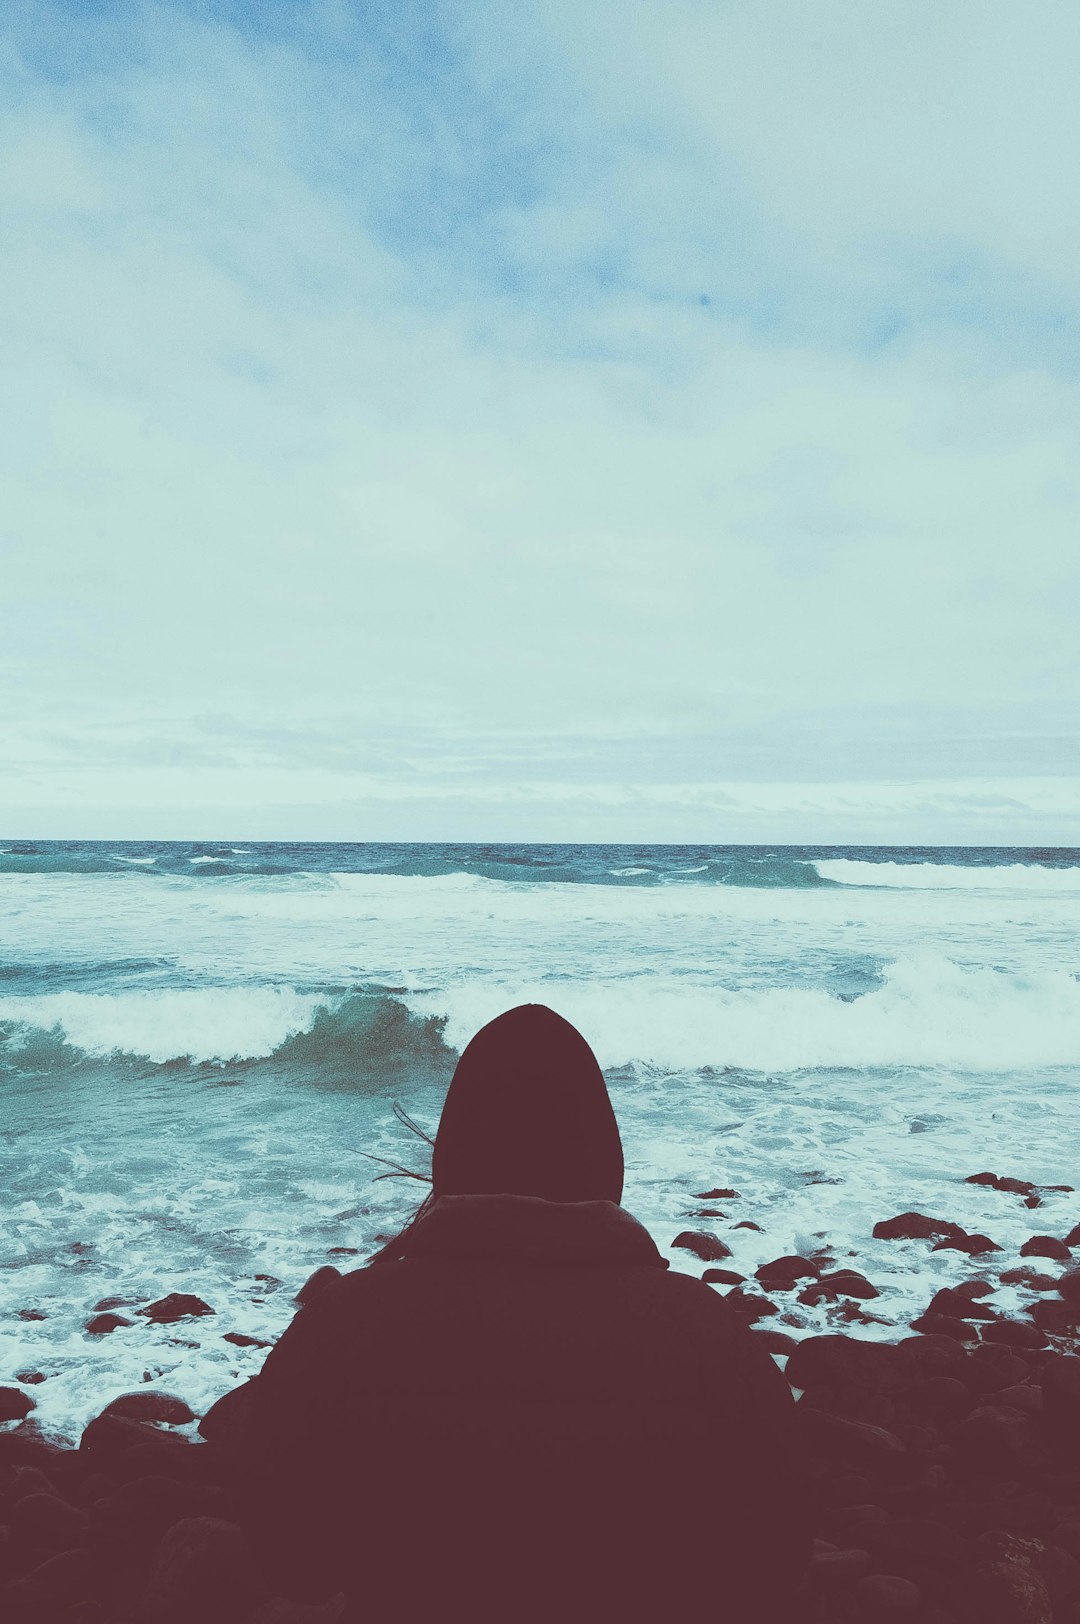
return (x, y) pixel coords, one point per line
(944, 1466)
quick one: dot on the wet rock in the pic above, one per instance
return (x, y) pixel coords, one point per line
(1014, 1334)
(318, 1282)
(47, 1523)
(958, 1304)
(240, 1340)
(108, 1439)
(749, 1305)
(828, 1360)
(783, 1272)
(1061, 1575)
(1007, 1587)
(945, 1325)
(835, 1570)
(102, 1324)
(24, 1480)
(1059, 1382)
(987, 1369)
(14, 1404)
(202, 1568)
(31, 1314)
(944, 1397)
(723, 1277)
(717, 1195)
(1033, 1201)
(1046, 1246)
(343, 1251)
(992, 1437)
(1024, 1396)
(747, 1223)
(982, 1178)
(133, 1516)
(1073, 1237)
(30, 1378)
(773, 1341)
(1053, 1317)
(51, 1588)
(973, 1245)
(1069, 1286)
(850, 1283)
(855, 1443)
(226, 1415)
(176, 1306)
(1025, 1275)
(103, 1304)
(269, 1280)
(817, 1293)
(151, 1406)
(709, 1248)
(908, 1226)
(886, 1595)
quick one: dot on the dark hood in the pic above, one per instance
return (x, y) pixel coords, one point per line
(528, 1113)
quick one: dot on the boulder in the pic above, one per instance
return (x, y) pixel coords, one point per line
(773, 1341)
(914, 1226)
(1046, 1246)
(849, 1283)
(749, 1305)
(886, 1595)
(835, 1570)
(14, 1404)
(240, 1340)
(1007, 1586)
(102, 1324)
(1069, 1286)
(945, 1325)
(723, 1277)
(748, 1223)
(225, 1417)
(783, 1272)
(828, 1360)
(973, 1245)
(177, 1305)
(958, 1304)
(50, 1590)
(317, 1283)
(1073, 1237)
(717, 1195)
(202, 1569)
(48, 1523)
(992, 1437)
(854, 1443)
(148, 1405)
(1025, 1275)
(1054, 1317)
(1059, 1382)
(1014, 1334)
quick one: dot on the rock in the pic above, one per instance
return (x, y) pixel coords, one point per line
(1073, 1237)
(149, 1405)
(1007, 1587)
(828, 1360)
(14, 1404)
(747, 1223)
(24, 1480)
(1033, 1201)
(982, 1178)
(29, 1378)
(783, 1272)
(849, 1283)
(987, 1369)
(1024, 1396)
(973, 1245)
(945, 1325)
(1069, 1285)
(748, 1305)
(239, 1339)
(773, 1341)
(1025, 1275)
(833, 1569)
(225, 1416)
(110, 1439)
(992, 1436)
(717, 1195)
(102, 1324)
(177, 1305)
(48, 1523)
(1014, 1334)
(1061, 1575)
(1046, 1246)
(958, 1304)
(944, 1397)
(1016, 1186)
(105, 1303)
(318, 1282)
(48, 1591)
(31, 1314)
(914, 1226)
(886, 1595)
(706, 1247)
(1053, 1317)
(1059, 1382)
(343, 1251)
(855, 1443)
(202, 1568)
(135, 1514)
(817, 1293)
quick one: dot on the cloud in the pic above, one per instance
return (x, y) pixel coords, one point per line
(431, 383)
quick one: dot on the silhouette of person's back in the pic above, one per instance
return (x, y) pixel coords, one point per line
(516, 1415)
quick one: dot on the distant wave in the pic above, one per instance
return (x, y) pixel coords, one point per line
(926, 1012)
(951, 876)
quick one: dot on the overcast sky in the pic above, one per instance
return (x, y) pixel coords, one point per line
(653, 420)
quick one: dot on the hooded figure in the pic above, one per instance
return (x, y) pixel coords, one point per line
(519, 1416)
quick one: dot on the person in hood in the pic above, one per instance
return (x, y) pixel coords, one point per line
(515, 1414)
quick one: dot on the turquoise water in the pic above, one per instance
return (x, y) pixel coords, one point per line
(201, 1045)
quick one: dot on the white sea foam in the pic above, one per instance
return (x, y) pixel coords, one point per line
(929, 1013)
(1037, 877)
(202, 1024)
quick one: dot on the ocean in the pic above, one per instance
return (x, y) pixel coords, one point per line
(201, 1048)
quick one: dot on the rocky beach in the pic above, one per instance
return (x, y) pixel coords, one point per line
(943, 1459)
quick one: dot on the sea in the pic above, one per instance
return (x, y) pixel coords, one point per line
(210, 1056)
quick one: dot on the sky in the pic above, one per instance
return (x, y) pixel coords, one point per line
(652, 421)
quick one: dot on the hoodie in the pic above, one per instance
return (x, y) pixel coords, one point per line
(521, 1416)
